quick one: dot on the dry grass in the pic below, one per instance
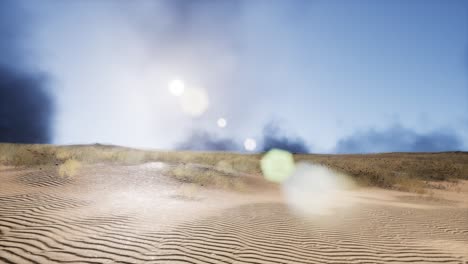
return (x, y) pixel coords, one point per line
(26, 155)
(34, 155)
(206, 176)
(188, 190)
(69, 168)
(404, 171)
(240, 163)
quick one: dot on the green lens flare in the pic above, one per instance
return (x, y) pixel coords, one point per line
(277, 165)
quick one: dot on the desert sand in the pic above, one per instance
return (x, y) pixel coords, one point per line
(137, 214)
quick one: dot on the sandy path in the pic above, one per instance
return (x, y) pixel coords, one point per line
(136, 215)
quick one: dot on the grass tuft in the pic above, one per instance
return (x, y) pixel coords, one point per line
(69, 168)
(205, 176)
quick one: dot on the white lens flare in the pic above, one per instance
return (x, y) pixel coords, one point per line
(222, 123)
(176, 87)
(315, 190)
(250, 144)
(194, 102)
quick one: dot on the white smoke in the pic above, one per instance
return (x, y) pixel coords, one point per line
(111, 61)
(316, 189)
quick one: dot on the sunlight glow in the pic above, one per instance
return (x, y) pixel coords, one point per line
(194, 102)
(315, 189)
(250, 144)
(222, 123)
(177, 87)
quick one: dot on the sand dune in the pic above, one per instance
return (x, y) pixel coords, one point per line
(135, 214)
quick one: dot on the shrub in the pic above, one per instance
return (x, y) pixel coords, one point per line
(188, 190)
(205, 176)
(69, 168)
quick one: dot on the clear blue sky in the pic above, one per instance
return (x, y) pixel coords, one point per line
(334, 76)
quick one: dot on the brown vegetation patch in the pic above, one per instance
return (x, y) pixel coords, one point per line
(403, 171)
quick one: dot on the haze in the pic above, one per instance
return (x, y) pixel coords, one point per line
(306, 76)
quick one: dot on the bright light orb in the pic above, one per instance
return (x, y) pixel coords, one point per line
(176, 87)
(222, 123)
(194, 102)
(250, 144)
(315, 189)
(277, 165)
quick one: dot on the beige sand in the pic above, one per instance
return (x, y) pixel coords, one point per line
(135, 214)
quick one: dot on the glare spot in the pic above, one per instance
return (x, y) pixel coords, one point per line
(277, 165)
(250, 144)
(315, 189)
(222, 122)
(194, 102)
(177, 87)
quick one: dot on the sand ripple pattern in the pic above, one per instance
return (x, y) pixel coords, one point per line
(43, 225)
(269, 233)
(44, 178)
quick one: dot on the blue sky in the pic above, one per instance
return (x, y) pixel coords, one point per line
(333, 76)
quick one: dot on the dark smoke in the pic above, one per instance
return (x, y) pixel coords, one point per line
(273, 137)
(25, 108)
(204, 141)
(399, 139)
(25, 105)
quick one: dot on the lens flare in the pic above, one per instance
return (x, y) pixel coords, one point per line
(315, 189)
(222, 123)
(177, 87)
(250, 144)
(277, 165)
(194, 102)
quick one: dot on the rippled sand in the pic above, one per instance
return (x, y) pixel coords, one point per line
(135, 214)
